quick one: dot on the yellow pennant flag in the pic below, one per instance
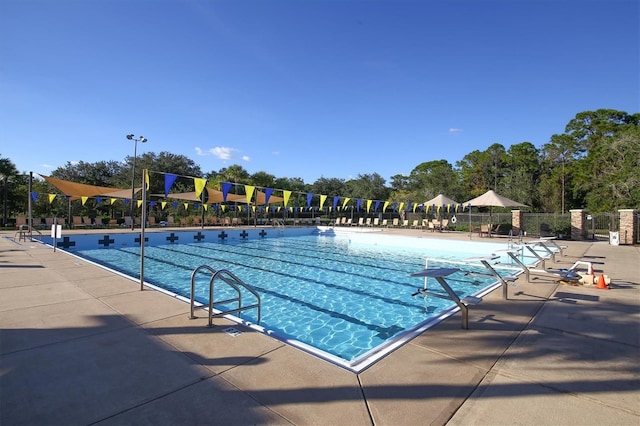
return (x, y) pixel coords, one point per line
(286, 194)
(427, 209)
(415, 206)
(186, 205)
(323, 198)
(249, 191)
(113, 200)
(448, 208)
(401, 206)
(369, 205)
(51, 198)
(438, 209)
(139, 203)
(344, 203)
(384, 208)
(163, 204)
(224, 207)
(253, 209)
(206, 207)
(199, 184)
(84, 200)
(146, 179)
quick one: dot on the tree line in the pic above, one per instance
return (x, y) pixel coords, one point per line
(594, 164)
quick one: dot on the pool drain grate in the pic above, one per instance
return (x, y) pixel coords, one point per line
(233, 332)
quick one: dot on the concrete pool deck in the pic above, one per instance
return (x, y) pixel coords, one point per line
(81, 345)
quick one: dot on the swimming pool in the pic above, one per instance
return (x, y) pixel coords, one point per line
(347, 298)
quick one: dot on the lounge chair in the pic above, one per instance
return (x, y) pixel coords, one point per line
(348, 222)
(78, 223)
(444, 225)
(405, 223)
(415, 224)
(368, 222)
(360, 222)
(376, 221)
(385, 223)
(396, 222)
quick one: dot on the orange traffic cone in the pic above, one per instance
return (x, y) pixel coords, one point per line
(601, 284)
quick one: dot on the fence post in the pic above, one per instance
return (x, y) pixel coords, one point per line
(578, 224)
(627, 226)
(517, 221)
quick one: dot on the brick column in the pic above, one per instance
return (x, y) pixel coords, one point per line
(578, 224)
(516, 221)
(628, 226)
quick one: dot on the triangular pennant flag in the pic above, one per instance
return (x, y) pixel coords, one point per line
(226, 186)
(98, 200)
(384, 207)
(175, 205)
(369, 205)
(448, 208)
(146, 179)
(224, 207)
(112, 200)
(401, 206)
(169, 179)
(344, 203)
(186, 206)
(287, 195)
(84, 200)
(139, 203)
(377, 206)
(206, 207)
(126, 202)
(335, 201)
(34, 196)
(358, 203)
(267, 195)
(309, 199)
(249, 191)
(199, 183)
(323, 198)
(51, 198)
(163, 204)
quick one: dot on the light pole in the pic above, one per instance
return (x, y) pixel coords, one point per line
(135, 140)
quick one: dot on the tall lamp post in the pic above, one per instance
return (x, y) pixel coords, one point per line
(135, 140)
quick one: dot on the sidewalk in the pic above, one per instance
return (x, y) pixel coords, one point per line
(80, 345)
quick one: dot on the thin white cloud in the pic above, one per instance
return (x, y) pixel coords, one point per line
(47, 166)
(222, 152)
(454, 130)
(275, 153)
(246, 158)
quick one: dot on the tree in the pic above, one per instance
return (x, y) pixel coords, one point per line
(13, 194)
(521, 174)
(431, 178)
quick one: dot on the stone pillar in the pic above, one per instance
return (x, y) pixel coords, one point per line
(628, 226)
(578, 224)
(516, 221)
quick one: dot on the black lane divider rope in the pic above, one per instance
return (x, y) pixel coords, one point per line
(296, 277)
(383, 332)
(340, 261)
(293, 262)
(299, 247)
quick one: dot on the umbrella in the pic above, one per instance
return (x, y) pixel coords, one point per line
(440, 200)
(491, 199)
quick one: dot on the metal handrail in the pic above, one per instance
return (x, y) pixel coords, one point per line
(232, 281)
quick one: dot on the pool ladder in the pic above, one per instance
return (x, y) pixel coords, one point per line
(232, 281)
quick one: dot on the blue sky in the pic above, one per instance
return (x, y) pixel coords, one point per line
(307, 88)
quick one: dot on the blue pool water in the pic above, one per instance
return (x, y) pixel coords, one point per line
(344, 296)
